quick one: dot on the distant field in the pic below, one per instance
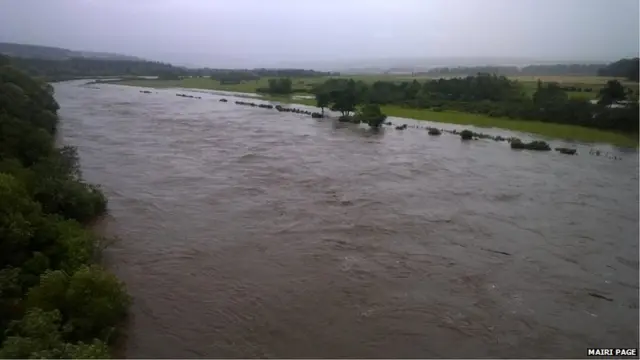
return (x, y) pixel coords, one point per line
(545, 129)
(561, 131)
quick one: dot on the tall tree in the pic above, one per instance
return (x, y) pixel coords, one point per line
(323, 100)
(611, 93)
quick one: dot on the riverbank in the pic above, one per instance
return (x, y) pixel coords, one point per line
(56, 301)
(552, 130)
(227, 214)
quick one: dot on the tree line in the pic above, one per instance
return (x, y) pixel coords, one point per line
(624, 68)
(350, 98)
(54, 70)
(529, 70)
(492, 95)
(55, 301)
(71, 68)
(225, 76)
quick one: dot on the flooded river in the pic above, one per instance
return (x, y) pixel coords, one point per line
(245, 232)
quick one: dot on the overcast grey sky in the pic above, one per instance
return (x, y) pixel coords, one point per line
(272, 32)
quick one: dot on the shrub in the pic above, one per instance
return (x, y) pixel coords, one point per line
(36, 335)
(466, 134)
(371, 115)
(92, 301)
(534, 145)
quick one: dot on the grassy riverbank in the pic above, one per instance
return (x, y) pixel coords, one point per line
(570, 132)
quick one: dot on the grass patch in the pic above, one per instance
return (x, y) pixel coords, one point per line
(562, 131)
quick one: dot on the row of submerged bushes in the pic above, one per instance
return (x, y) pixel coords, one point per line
(369, 114)
(55, 300)
(465, 135)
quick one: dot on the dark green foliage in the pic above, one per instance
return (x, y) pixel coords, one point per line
(625, 68)
(530, 70)
(280, 86)
(225, 76)
(371, 115)
(567, 151)
(71, 309)
(323, 99)
(533, 145)
(612, 93)
(434, 131)
(91, 301)
(64, 69)
(466, 134)
(167, 75)
(341, 95)
(492, 95)
(40, 335)
(233, 77)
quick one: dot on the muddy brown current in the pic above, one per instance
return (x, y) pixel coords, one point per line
(245, 232)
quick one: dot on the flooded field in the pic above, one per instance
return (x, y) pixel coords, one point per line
(246, 232)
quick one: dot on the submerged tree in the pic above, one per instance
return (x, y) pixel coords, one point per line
(323, 100)
(611, 93)
(371, 115)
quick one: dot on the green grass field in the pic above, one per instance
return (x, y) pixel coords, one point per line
(571, 132)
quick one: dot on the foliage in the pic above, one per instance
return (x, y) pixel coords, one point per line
(466, 134)
(91, 301)
(54, 70)
(40, 335)
(533, 145)
(491, 95)
(529, 70)
(371, 115)
(626, 68)
(323, 99)
(612, 93)
(280, 86)
(53, 304)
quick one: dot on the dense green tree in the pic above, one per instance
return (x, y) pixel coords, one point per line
(323, 100)
(612, 93)
(280, 86)
(495, 96)
(624, 68)
(371, 115)
(53, 302)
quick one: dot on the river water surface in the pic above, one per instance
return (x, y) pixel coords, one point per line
(244, 232)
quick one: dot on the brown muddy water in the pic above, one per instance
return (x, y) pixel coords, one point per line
(245, 232)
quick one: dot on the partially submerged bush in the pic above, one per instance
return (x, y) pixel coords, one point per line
(466, 134)
(371, 115)
(533, 145)
(567, 151)
(434, 131)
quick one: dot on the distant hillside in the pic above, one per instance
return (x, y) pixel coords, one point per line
(55, 53)
(530, 70)
(74, 68)
(627, 68)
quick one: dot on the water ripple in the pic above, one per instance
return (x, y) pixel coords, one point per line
(251, 233)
